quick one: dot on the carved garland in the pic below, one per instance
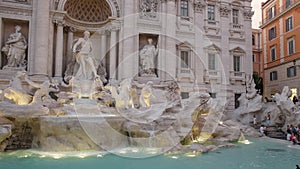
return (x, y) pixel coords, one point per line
(199, 5)
(224, 11)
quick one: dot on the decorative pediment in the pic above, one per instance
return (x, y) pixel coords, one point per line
(213, 47)
(184, 44)
(237, 50)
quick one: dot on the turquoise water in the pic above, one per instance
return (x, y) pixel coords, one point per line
(261, 154)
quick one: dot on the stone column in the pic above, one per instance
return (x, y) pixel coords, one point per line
(170, 48)
(41, 49)
(103, 47)
(113, 53)
(59, 49)
(1, 29)
(71, 31)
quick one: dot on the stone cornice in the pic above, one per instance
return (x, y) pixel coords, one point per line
(25, 11)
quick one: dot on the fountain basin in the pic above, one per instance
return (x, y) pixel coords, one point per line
(261, 154)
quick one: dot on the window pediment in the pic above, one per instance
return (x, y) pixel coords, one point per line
(238, 51)
(213, 48)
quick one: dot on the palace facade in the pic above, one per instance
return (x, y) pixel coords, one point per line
(202, 44)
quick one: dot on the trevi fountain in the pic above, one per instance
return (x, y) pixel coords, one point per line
(87, 119)
(83, 116)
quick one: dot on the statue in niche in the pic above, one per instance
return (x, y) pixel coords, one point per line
(147, 56)
(148, 9)
(83, 66)
(15, 48)
(83, 49)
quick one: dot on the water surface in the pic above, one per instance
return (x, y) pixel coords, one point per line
(261, 154)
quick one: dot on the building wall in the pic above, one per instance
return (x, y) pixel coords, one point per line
(283, 59)
(174, 32)
(257, 52)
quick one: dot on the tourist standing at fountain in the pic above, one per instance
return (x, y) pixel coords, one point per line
(83, 49)
(15, 48)
(268, 120)
(295, 99)
(254, 121)
(288, 133)
(294, 139)
(262, 129)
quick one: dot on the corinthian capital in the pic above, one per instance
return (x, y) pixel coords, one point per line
(248, 14)
(59, 22)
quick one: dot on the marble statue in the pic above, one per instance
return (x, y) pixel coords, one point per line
(250, 99)
(251, 91)
(83, 50)
(125, 93)
(16, 92)
(122, 94)
(147, 56)
(146, 94)
(284, 102)
(15, 48)
(43, 90)
(250, 103)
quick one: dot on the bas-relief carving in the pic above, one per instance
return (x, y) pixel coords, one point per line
(149, 9)
(15, 50)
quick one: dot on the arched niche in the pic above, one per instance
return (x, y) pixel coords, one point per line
(8, 28)
(113, 4)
